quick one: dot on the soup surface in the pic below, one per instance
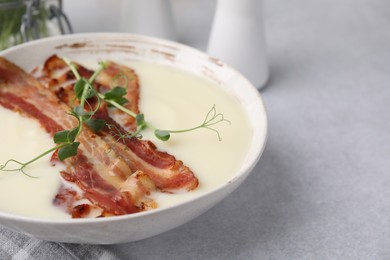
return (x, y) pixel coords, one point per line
(170, 99)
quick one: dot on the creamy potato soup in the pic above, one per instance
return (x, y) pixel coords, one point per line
(23, 139)
(170, 99)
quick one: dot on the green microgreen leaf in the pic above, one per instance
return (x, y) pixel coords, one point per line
(61, 137)
(115, 92)
(79, 87)
(119, 101)
(68, 150)
(83, 85)
(163, 135)
(73, 134)
(95, 124)
(65, 136)
(117, 95)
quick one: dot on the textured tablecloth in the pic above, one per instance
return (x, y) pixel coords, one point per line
(20, 247)
(321, 189)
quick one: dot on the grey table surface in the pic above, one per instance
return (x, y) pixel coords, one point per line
(322, 187)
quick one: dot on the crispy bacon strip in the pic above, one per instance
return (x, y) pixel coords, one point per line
(118, 75)
(56, 75)
(168, 173)
(99, 174)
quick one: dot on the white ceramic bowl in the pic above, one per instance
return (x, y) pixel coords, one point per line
(116, 46)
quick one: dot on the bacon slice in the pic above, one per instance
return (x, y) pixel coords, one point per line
(56, 75)
(118, 75)
(168, 173)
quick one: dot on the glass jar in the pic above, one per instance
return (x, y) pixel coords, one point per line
(25, 20)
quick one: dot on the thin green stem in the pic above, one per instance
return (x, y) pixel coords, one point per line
(118, 106)
(44, 154)
(24, 165)
(212, 118)
(97, 72)
(72, 68)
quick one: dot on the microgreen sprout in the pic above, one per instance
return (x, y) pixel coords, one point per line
(83, 91)
(212, 118)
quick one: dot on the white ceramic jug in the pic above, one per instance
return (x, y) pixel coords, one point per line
(237, 38)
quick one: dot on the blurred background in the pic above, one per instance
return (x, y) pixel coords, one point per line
(204, 24)
(193, 19)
